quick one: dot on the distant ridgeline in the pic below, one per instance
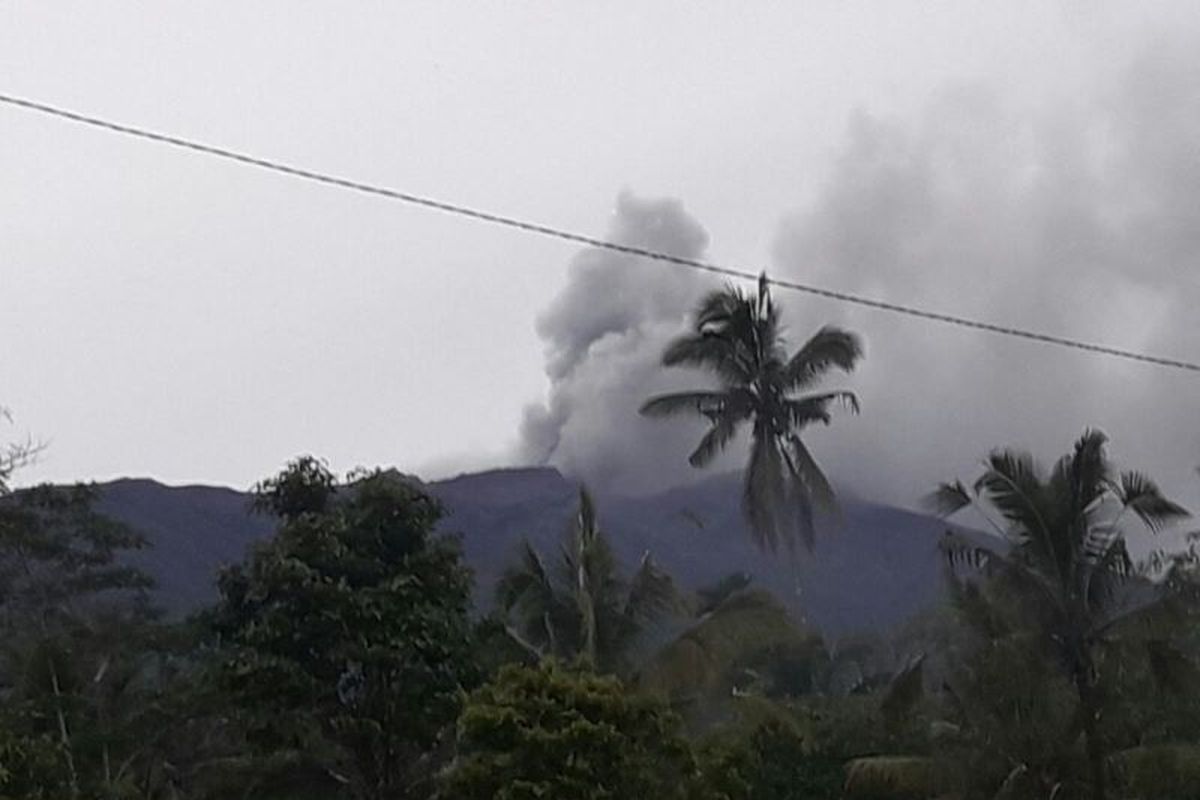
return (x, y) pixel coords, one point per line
(871, 571)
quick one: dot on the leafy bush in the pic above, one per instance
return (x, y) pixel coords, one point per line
(553, 732)
(772, 762)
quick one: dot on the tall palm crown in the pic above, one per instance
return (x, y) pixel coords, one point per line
(1064, 530)
(739, 339)
(1066, 560)
(582, 607)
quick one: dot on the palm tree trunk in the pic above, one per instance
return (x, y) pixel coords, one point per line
(64, 734)
(1085, 685)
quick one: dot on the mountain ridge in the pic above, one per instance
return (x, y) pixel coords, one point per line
(870, 571)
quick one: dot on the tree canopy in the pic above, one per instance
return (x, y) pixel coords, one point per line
(549, 731)
(347, 634)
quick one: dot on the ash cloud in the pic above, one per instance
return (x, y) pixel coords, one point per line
(604, 335)
(1080, 218)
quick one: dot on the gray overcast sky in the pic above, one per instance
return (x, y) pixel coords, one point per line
(169, 315)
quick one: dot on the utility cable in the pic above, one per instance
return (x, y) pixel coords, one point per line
(577, 238)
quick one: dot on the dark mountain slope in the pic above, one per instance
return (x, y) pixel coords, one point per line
(194, 530)
(872, 570)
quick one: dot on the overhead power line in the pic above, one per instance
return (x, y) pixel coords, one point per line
(577, 238)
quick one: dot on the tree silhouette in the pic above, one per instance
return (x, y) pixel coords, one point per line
(739, 339)
(1066, 556)
(582, 607)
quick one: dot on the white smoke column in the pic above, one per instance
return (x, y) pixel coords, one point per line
(604, 334)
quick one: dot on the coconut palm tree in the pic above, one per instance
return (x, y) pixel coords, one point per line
(1064, 556)
(739, 339)
(581, 607)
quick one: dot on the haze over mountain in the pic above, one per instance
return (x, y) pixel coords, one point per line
(871, 571)
(1027, 164)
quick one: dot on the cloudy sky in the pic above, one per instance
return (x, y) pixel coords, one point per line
(168, 315)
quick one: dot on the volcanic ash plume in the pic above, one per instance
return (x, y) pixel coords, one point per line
(604, 335)
(1077, 219)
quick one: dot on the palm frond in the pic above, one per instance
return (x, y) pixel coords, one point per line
(720, 306)
(800, 504)
(518, 584)
(734, 317)
(1012, 484)
(1142, 496)
(763, 491)
(948, 498)
(528, 599)
(738, 337)
(723, 332)
(828, 348)
(533, 652)
(814, 477)
(809, 490)
(584, 545)
(1098, 541)
(1108, 574)
(595, 571)
(718, 352)
(816, 408)
(960, 552)
(1085, 472)
(704, 403)
(724, 428)
(652, 592)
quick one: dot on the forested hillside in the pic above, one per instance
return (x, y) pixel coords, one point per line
(872, 569)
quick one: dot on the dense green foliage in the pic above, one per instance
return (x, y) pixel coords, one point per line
(548, 731)
(72, 652)
(745, 641)
(771, 761)
(693, 650)
(346, 635)
(1067, 565)
(341, 660)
